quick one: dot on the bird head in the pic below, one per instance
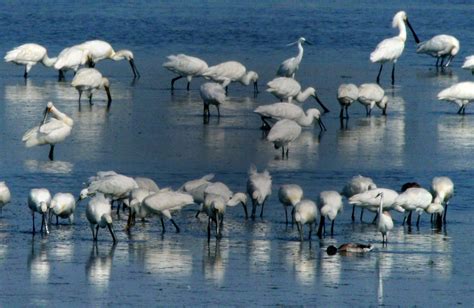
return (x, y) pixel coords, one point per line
(83, 194)
(380, 194)
(47, 110)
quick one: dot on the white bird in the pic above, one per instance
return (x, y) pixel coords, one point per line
(5, 195)
(369, 200)
(441, 47)
(306, 212)
(98, 213)
(356, 185)
(28, 55)
(56, 130)
(100, 50)
(71, 58)
(347, 93)
(414, 199)
(280, 111)
(371, 94)
(231, 71)
(289, 67)
(329, 204)
(63, 205)
(385, 222)
(212, 94)
(461, 93)
(146, 183)
(469, 63)
(288, 89)
(259, 188)
(185, 66)
(283, 133)
(39, 200)
(389, 50)
(290, 195)
(165, 201)
(90, 80)
(230, 198)
(442, 188)
(135, 202)
(197, 187)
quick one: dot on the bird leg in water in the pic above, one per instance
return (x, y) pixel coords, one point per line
(175, 225)
(96, 233)
(163, 230)
(393, 74)
(218, 111)
(261, 211)
(310, 231)
(90, 99)
(378, 76)
(173, 80)
(254, 208)
(445, 211)
(321, 226)
(33, 214)
(111, 230)
(25, 75)
(286, 215)
(187, 86)
(361, 214)
(208, 229)
(51, 152)
(332, 227)
(300, 230)
(353, 212)
(255, 87)
(265, 124)
(60, 75)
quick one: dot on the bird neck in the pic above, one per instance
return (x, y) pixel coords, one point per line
(48, 61)
(306, 119)
(299, 57)
(381, 206)
(61, 116)
(247, 78)
(302, 96)
(403, 30)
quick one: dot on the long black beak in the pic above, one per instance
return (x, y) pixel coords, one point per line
(321, 103)
(136, 74)
(321, 124)
(45, 115)
(417, 40)
(308, 42)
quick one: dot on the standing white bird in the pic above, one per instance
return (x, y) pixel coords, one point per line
(290, 195)
(289, 67)
(90, 80)
(230, 198)
(259, 188)
(329, 204)
(441, 47)
(135, 202)
(39, 200)
(369, 200)
(56, 130)
(280, 111)
(100, 50)
(212, 94)
(196, 188)
(185, 66)
(283, 133)
(306, 213)
(146, 183)
(231, 71)
(71, 58)
(98, 213)
(461, 93)
(371, 94)
(5, 195)
(165, 201)
(356, 185)
(442, 188)
(347, 93)
(28, 55)
(389, 50)
(469, 63)
(414, 199)
(288, 89)
(385, 222)
(63, 205)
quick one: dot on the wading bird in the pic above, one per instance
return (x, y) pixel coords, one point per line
(306, 212)
(231, 71)
(259, 188)
(329, 204)
(461, 93)
(414, 199)
(98, 213)
(283, 133)
(212, 94)
(289, 195)
(289, 67)
(28, 55)
(442, 188)
(89, 80)
(39, 200)
(71, 58)
(63, 206)
(5, 195)
(356, 185)
(371, 94)
(385, 222)
(441, 47)
(347, 93)
(185, 66)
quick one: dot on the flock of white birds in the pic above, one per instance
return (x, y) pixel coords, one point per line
(283, 120)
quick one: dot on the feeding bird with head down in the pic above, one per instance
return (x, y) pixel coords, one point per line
(371, 94)
(259, 188)
(185, 66)
(440, 47)
(461, 93)
(282, 134)
(289, 195)
(39, 200)
(212, 94)
(89, 80)
(231, 71)
(347, 93)
(99, 215)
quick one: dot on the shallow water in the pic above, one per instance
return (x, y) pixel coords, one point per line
(149, 132)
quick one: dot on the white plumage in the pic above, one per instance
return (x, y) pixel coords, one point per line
(290, 195)
(5, 195)
(28, 55)
(71, 58)
(347, 93)
(212, 94)
(356, 185)
(370, 200)
(146, 183)
(197, 187)
(63, 205)
(469, 63)
(98, 213)
(385, 222)
(305, 214)
(39, 200)
(414, 199)
(280, 111)
(461, 93)
(113, 186)
(441, 47)
(259, 188)
(185, 66)
(289, 67)
(371, 94)
(442, 188)
(283, 133)
(89, 80)
(329, 204)
(231, 71)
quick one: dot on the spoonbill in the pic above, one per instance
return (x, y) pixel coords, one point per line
(371, 94)
(461, 93)
(98, 213)
(279, 111)
(414, 199)
(356, 185)
(441, 47)
(283, 133)
(306, 212)
(212, 94)
(135, 202)
(39, 200)
(63, 205)
(28, 55)
(90, 80)
(231, 71)
(289, 67)
(71, 58)
(329, 204)
(146, 183)
(185, 66)
(165, 201)
(389, 50)
(369, 200)
(385, 222)
(288, 89)
(100, 50)
(56, 130)
(469, 63)
(5, 195)
(347, 93)
(442, 188)
(259, 188)
(290, 195)
(196, 188)
(230, 198)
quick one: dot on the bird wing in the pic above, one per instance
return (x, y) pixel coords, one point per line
(26, 52)
(211, 91)
(459, 91)
(219, 189)
(185, 65)
(280, 111)
(285, 87)
(70, 58)
(388, 50)
(229, 70)
(348, 91)
(288, 67)
(284, 131)
(87, 77)
(52, 132)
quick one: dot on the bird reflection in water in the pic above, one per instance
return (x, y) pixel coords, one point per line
(214, 263)
(38, 263)
(99, 267)
(300, 257)
(52, 167)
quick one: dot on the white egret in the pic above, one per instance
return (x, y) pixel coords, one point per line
(289, 67)
(54, 131)
(63, 205)
(39, 200)
(385, 222)
(28, 55)
(283, 133)
(185, 66)
(279, 111)
(371, 94)
(347, 93)
(71, 58)
(461, 93)
(290, 195)
(90, 80)
(442, 188)
(5, 195)
(356, 185)
(329, 204)
(212, 94)
(441, 47)
(389, 50)
(306, 213)
(259, 188)
(231, 71)
(288, 89)
(414, 199)
(98, 213)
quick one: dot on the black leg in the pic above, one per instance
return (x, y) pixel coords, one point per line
(445, 211)
(353, 212)
(163, 230)
(380, 71)
(209, 229)
(51, 152)
(173, 80)
(33, 214)
(261, 211)
(393, 73)
(332, 227)
(175, 225)
(187, 86)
